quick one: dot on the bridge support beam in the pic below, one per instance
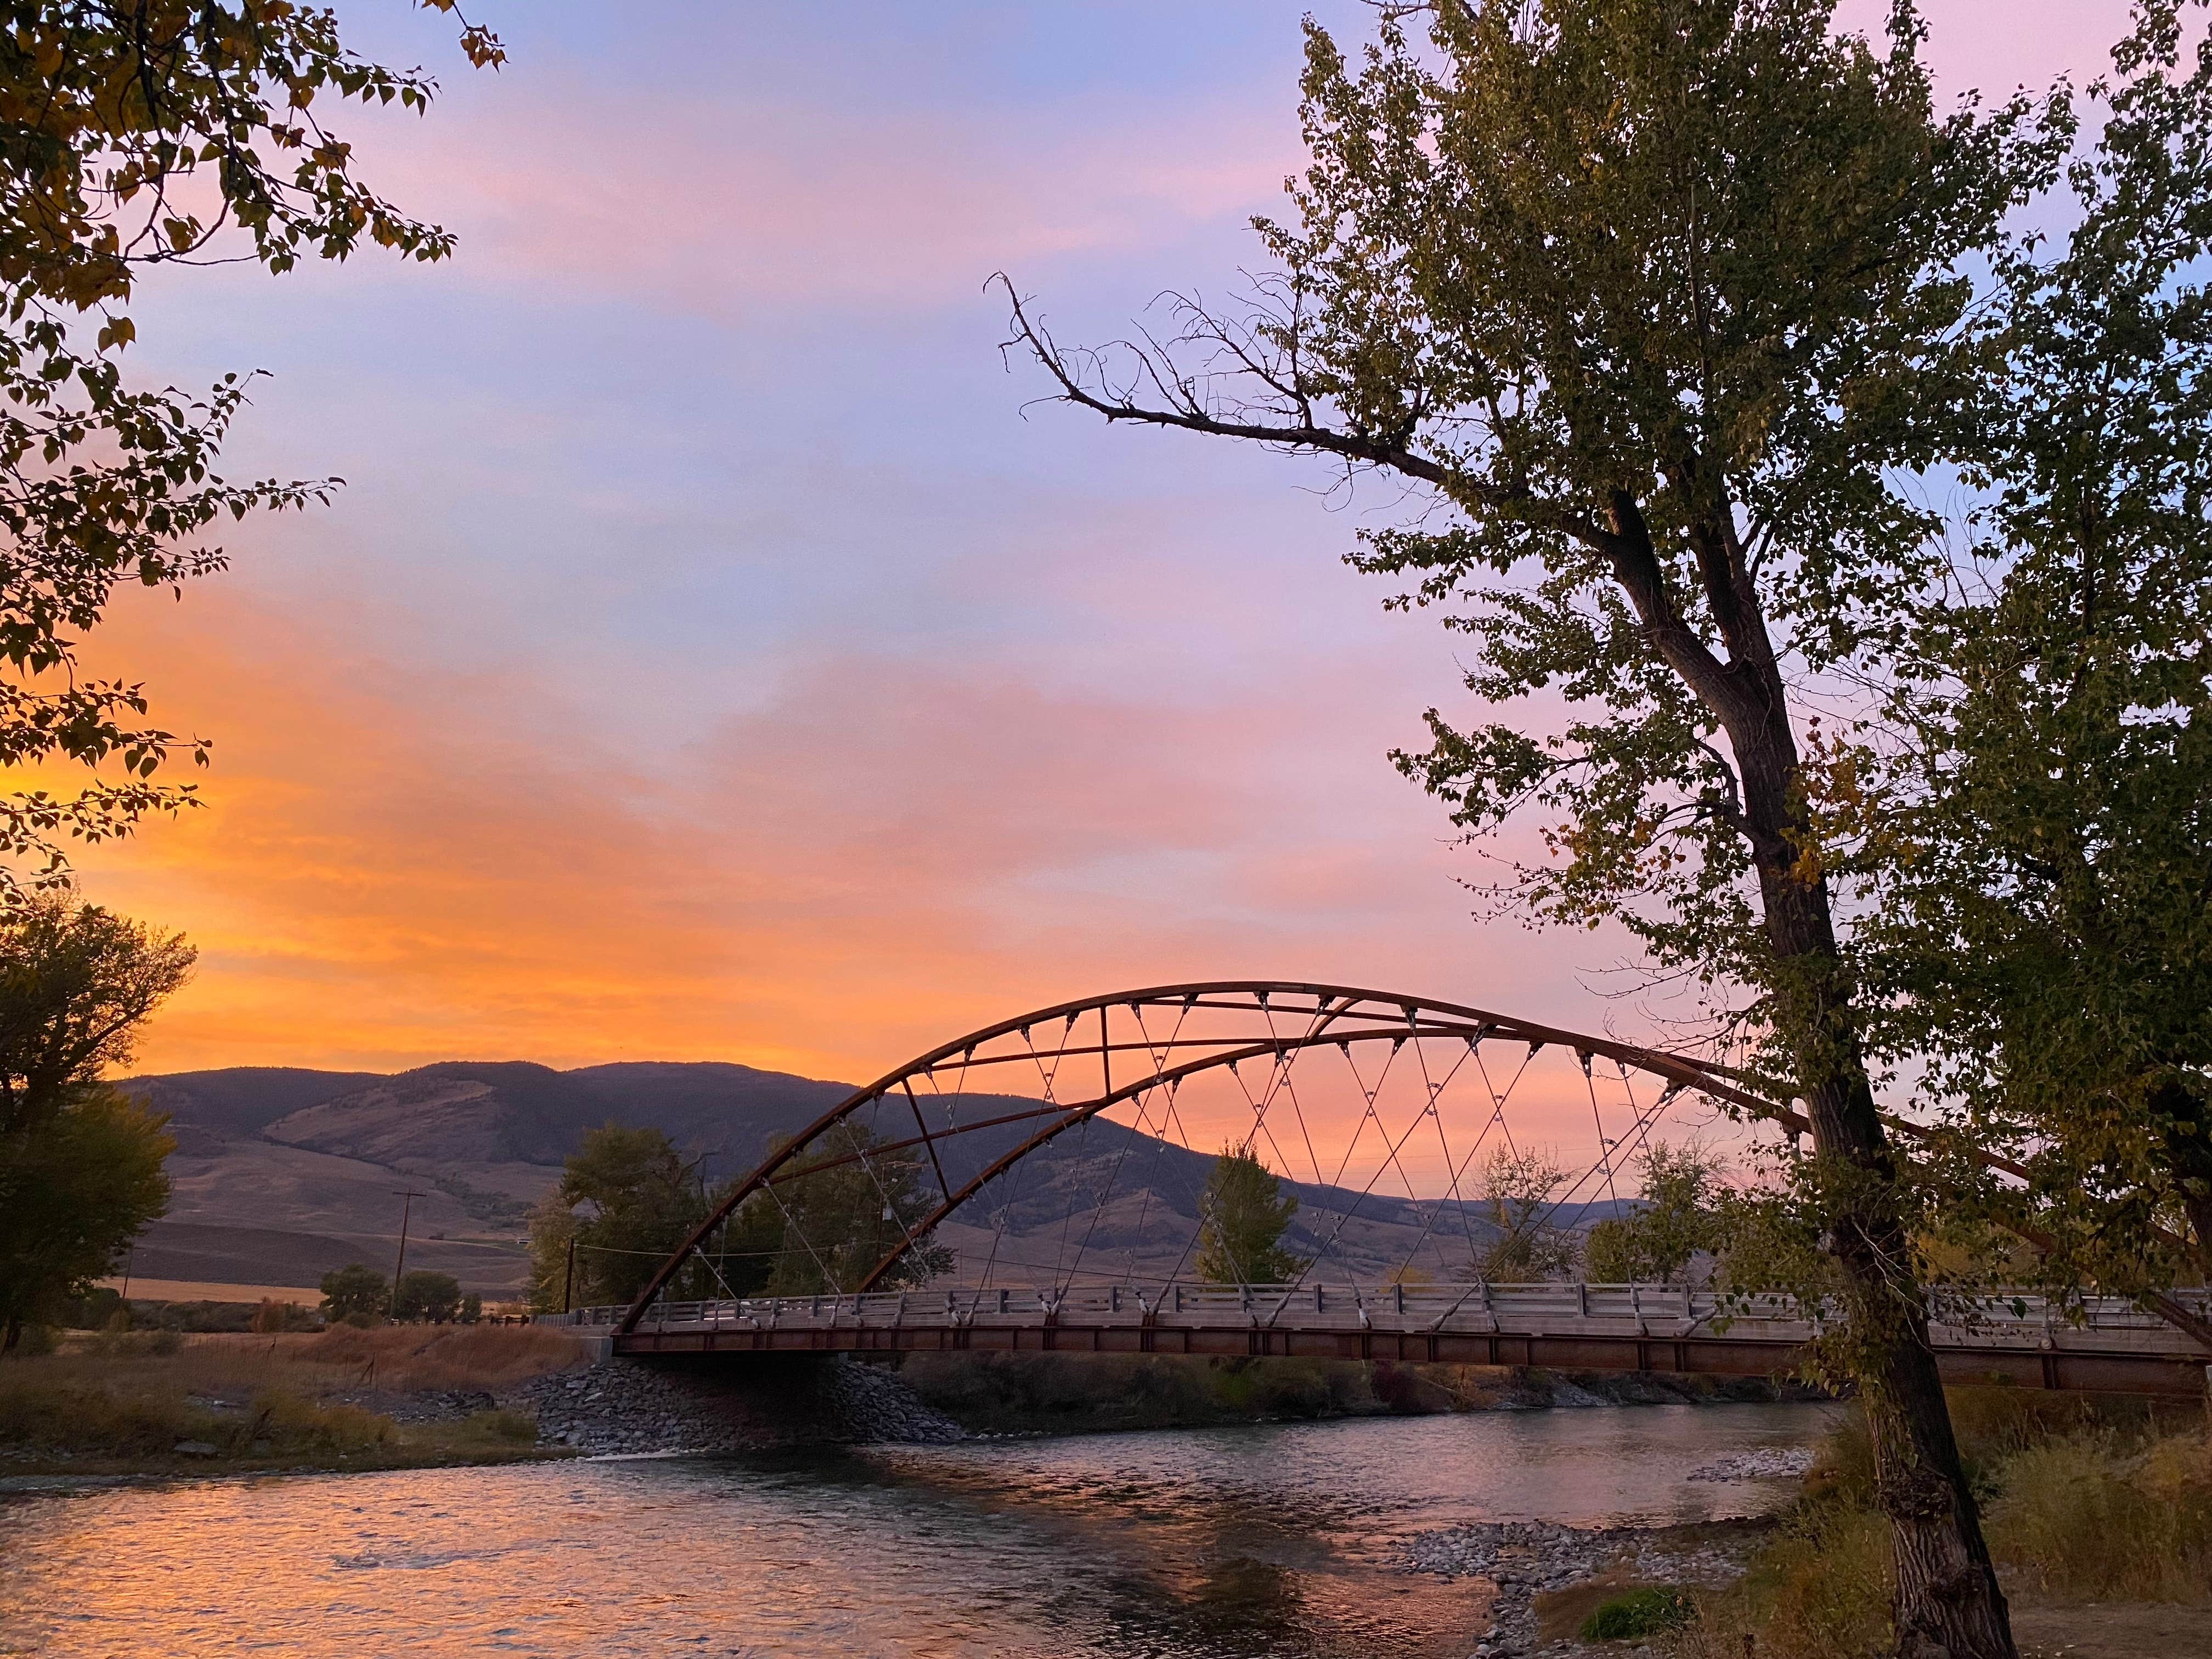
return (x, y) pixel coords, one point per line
(2170, 1376)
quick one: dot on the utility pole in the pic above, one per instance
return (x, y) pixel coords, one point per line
(399, 1267)
(568, 1285)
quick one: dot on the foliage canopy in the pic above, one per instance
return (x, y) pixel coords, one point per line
(355, 1291)
(76, 983)
(75, 1190)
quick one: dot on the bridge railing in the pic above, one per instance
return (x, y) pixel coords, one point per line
(2008, 1318)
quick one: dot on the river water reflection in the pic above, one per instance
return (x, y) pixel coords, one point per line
(1275, 1540)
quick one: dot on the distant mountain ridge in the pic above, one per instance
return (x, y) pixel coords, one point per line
(491, 1111)
(279, 1171)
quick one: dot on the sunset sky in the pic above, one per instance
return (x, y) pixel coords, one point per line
(710, 655)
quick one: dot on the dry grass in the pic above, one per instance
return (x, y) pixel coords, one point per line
(403, 1358)
(124, 1401)
(2085, 1500)
(414, 1357)
(2097, 1516)
(1820, 1590)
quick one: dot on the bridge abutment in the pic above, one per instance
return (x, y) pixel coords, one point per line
(675, 1403)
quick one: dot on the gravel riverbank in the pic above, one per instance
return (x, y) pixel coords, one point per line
(1525, 1559)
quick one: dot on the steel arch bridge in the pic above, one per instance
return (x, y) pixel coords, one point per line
(1426, 1142)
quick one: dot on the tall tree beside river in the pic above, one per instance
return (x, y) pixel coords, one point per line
(136, 133)
(2038, 809)
(1657, 298)
(80, 1165)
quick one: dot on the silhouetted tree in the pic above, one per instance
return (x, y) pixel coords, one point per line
(1243, 1215)
(426, 1293)
(74, 1192)
(80, 1165)
(76, 983)
(1517, 1198)
(355, 1292)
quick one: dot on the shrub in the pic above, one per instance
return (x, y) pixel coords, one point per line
(517, 1426)
(1821, 1590)
(96, 1308)
(2095, 1516)
(293, 1425)
(354, 1290)
(79, 1418)
(1639, 1614)
(227, 1318)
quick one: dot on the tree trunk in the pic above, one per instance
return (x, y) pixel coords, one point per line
(2184, 1121)
(1948, 1604)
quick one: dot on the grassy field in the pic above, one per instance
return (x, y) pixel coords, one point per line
(125, 1403)
(2099, 1515)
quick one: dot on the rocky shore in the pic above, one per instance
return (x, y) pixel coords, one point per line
(631, 1406)
(1525, 1559)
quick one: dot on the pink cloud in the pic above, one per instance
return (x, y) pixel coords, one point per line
(739, 211)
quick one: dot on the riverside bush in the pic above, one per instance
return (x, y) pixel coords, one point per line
(1639, 1614)
(2096, 1517)
(124, 1400)
(75, 1417)
(1820, 1589)
(2088, 1499)
(294, 1426)
(511, 1428)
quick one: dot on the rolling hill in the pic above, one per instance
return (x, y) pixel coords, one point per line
(282, 1175)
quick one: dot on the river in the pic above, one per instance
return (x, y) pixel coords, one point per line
(1277, 1539)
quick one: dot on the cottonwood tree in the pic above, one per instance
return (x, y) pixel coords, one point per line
(628, 1197)
(137, 133)
(355, 1294)
(427, 1294)
(74, 1193)
(79, 1164)
(1680, 1219)
(1655, 299)
(826, 1224)
(2041, 838)
(77, 984)
(1517, 1184)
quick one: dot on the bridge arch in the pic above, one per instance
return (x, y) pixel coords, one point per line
(1138, 1049)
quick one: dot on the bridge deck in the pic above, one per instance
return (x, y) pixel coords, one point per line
(2111, 1347)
